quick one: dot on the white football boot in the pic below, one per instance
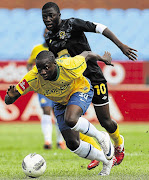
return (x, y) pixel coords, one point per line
(107, 146)
(107, 167)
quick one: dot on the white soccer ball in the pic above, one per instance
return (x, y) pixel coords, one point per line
(34, 165)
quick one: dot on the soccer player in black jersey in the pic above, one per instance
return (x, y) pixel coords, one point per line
(69, 35)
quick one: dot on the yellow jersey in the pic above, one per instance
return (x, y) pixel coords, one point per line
(36, 50)
(69, 80)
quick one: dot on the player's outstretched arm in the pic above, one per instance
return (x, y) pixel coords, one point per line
(127, 51)
(12, 95)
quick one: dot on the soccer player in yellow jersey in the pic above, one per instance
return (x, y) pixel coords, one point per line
(63, 82)
(47, 106)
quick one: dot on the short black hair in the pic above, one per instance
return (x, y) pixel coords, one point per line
(51, 4)
(46, 55)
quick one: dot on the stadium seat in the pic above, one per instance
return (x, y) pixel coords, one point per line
(100, 15)
(116, 15)
(85, 14)
(4, 13)
(18, 14)
(67, 13)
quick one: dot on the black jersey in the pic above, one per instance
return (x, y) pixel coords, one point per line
(71, 37)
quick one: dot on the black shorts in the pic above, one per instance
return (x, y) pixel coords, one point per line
(100, 94)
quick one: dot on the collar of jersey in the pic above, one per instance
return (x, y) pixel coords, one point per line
(58, 71)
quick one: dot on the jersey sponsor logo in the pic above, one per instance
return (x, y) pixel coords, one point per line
(60, 90)
(23, 85)
(62, 34)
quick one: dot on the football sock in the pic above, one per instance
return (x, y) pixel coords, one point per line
(116, 137)
(85, 127)
(87, 151)
(90, 140)
(46, 125)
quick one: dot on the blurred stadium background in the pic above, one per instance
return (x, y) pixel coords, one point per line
(22, 28)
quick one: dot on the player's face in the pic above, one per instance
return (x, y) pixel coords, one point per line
(47, 69)
(51, 18)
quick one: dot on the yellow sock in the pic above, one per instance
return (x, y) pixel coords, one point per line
(90, 140)
(116, 137)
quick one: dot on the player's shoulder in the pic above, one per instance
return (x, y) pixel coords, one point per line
(29, 80)
(32, 74)
(71, 20)
(34, 70)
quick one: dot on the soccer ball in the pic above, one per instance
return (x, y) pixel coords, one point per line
(33, 165)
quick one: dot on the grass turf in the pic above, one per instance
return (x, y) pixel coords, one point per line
(18, 140)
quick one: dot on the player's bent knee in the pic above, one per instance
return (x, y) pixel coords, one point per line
(71, 121)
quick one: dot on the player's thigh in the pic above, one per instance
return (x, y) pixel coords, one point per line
(71, 137)
(82, 100)
(59, 111)
(72, 114)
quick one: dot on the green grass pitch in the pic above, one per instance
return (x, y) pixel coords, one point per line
(18, 140)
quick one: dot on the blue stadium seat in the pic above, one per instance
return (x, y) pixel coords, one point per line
(85, 14)
(116, 15)
(100, 15)
(145, 12)
(4, 19)
(67, 13)
(4, 13)
(132, 15)
(18, 14)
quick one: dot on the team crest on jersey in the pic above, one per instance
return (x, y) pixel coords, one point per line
(62, 34)
(23, 85)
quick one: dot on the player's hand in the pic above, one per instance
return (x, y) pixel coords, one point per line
(12, 91)
(129, 52)
(107, 58)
